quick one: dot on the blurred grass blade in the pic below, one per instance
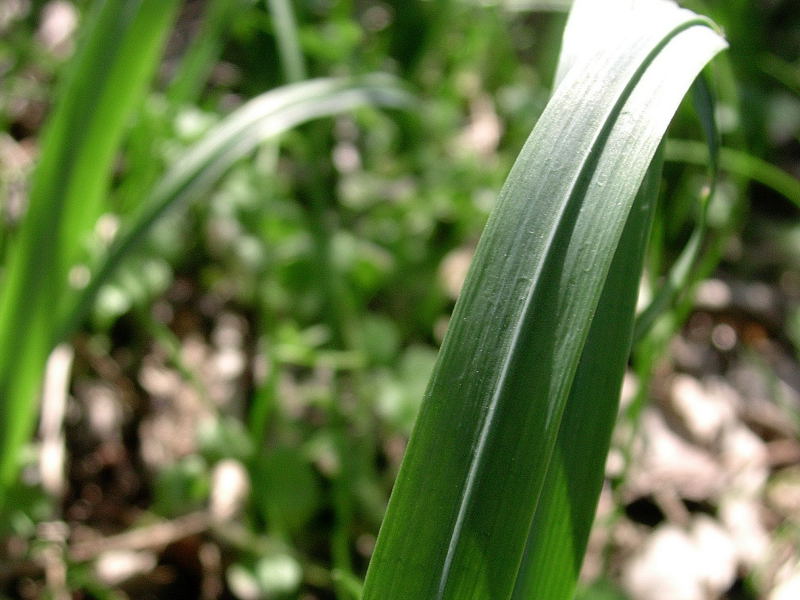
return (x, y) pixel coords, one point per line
(262, 118)
(203, 53)
(188, 80)
(106, 83)
(458, 520)
(285, 28)
(738, 163)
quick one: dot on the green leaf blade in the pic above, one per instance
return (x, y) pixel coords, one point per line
(109, 76)
(457, 523)
(562, 522)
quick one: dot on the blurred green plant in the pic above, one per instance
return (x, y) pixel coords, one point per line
(40, 305)
(105, 84)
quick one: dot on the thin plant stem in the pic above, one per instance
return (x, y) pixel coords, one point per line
(285, 29)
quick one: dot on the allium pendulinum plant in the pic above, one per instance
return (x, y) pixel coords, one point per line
(500, 480)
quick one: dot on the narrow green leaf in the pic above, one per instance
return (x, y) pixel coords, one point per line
(458, 520)
(285, 29)
(563, 519)
(108, 78)
(562, 522)
(565, 512)
(739, 163)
